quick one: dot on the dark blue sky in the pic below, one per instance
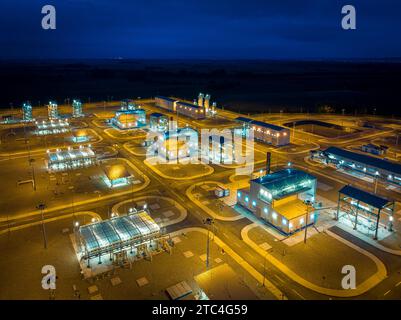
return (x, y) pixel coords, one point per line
(220, 29)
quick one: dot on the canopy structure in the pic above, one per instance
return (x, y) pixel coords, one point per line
(361, 204)
(52, 127)
(71, 158)
(117, 233)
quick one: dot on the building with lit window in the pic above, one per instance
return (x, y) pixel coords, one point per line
(71, 158)
(27, 111)
(265, 132)
(77, 108)
(128, 104)
(80, 136)
(52, 110)
(52, 127)
(177, 144)
(117, 176)
(129, 119)
(191, 110)
(119, 234)
(279, 198)
(360, 164)
(158, 122)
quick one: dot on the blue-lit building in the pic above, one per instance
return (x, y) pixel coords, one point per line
(381, 169)
(158, 122)
(279, 198)
(128, 104)
(129, 119)
(265, 132)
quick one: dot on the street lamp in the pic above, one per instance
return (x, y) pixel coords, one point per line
(42, 207)
(309, 205)
(208, 222)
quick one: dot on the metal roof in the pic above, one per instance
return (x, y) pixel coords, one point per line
(71, 155)
(116, 233)
(365, 159)
(187, 104)
(366, 197)
(286, 182)
(157, 115)
(261, 124)
(166, 98)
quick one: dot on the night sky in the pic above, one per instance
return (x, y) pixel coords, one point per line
(209, 29)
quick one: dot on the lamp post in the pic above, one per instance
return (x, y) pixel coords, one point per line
(42, 207)
(208, 222)
(308, 206)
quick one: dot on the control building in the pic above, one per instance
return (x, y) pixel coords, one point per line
(279, 198)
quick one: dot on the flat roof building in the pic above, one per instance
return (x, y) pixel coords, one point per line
(190, 110)
(116, 176)
(61, 160)
(80, 135)
(265, 132)
(384, 170)
(279, 198)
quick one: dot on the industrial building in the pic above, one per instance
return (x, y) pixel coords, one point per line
(158, 122)
(358, 163)
(128, 104)
(116, 176)
(52, 127)
(177, 144)
(129, 119)
(279, 198)
(27, 112)
(135, 231)
(80, 136)
(265, 132)
(220, 150)
(199, 109)
(61, 160)
(77, 108)
(52, 110)
(374, 149)
(364, 208)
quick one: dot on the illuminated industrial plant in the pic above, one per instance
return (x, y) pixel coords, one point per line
(77, 108)
(71, 158)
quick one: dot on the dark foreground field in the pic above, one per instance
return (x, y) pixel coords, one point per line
(246, 86)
